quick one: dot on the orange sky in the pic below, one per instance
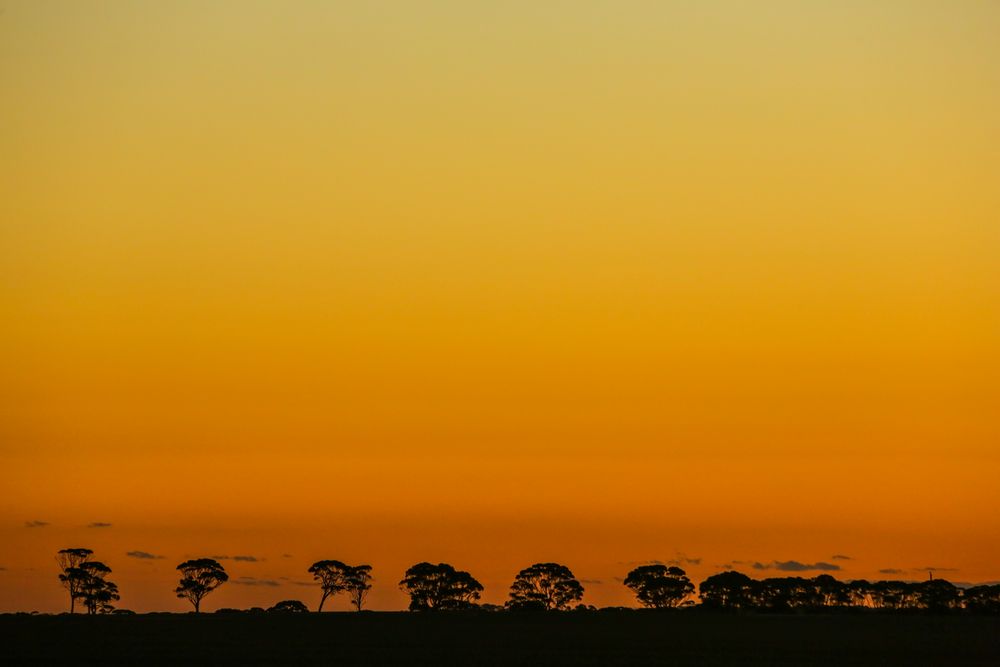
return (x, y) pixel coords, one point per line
(496, 283)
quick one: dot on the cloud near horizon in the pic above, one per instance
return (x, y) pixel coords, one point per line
(796, 566)
(253, 581)
(35, 524)
(98, 524)
(142, 555)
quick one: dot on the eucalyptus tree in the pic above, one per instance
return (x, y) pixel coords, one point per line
(289, 607)
(728, 590)
(357, 584)
(658, 586)
(70, 559)
(93, 587)
(199, 577)
(439, 587)
(332, 577)
(545, 586)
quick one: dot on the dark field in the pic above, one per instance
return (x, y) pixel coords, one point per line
(573, 638)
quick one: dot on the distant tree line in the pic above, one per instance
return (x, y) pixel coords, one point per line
(734, 590)
(553, 587)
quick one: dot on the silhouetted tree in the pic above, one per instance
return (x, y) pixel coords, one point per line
(830, 591)
(728, 590)
(199, 577)
(332, 577)
(786, 593)
(547, 586)
(894, 595)
(659, 586)
(96, 592)
(357, 584)
(69, 559)
(983, 599)
(290, 607)
(938, 595)
(858, 593)
(436, 587)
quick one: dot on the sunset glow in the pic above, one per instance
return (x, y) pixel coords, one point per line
(595, 282)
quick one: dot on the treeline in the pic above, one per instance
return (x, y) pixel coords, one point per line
(553, 587)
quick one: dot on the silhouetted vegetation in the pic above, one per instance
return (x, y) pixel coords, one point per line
(96, 592)
(735, 591)
(86, 580)
(659, 586)
(439, 587)
(71, 559)
(358, 583)
(546, 587)
(335, 577)
(553, 587)
(199, 577)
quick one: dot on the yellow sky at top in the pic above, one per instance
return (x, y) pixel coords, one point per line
(703, 264)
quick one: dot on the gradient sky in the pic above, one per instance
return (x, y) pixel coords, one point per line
(598, 282)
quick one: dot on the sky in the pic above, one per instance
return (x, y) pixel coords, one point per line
(594, 282)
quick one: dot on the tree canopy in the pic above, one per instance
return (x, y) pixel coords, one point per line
(199, 577)
(439, 587)
(357, 585)
(70, 559)
(659, 586)
(331, 575)
(547, 586)
(290, 607)
(335, 577)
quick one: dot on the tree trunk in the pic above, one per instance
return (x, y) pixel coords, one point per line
(72, 603)
(321, 601)
(197, 606)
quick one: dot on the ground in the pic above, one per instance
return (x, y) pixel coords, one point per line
(572, 638)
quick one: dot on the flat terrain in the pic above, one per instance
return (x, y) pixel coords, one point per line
(573, 638)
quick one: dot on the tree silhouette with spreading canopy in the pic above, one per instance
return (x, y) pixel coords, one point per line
(96, 592)
(199, 577)
(983, 599)
(659, 586)
(332, 577)
(357, 584)
(69, 559)
(439, 587)
(290, 607)
(728, 590)
(545, 586)
(938, 595)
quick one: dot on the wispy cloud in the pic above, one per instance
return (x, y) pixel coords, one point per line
(679, 559)
(840, 557)
(142, 555)
(253, 581)
(890, 570)
(35, 524)
(239, 559)
(98, 524)
(595, 582)
(796, 566)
